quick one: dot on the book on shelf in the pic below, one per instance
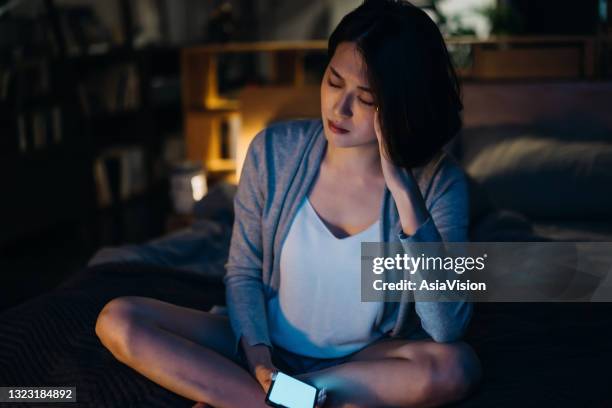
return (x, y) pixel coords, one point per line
(84, 100)
(56, 115)
(111, 90)
(37, 129)
(5, 81)
(102, 184)
(22, 132)
(132, 92)
(230, 132)
(120, 174)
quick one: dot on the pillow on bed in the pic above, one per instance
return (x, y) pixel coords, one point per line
(546, 178)
(472, 140)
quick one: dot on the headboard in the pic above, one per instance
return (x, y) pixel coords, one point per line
(584, 107)
(575, 104)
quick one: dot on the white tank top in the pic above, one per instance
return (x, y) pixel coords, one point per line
(318, 310)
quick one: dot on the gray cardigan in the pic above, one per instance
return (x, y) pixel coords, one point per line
(281, 163)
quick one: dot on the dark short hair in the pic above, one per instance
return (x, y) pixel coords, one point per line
(411, 75)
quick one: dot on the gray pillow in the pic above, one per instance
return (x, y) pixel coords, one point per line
(546, 178)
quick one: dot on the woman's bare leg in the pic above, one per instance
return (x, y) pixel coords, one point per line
(400, 373)
(184, 350)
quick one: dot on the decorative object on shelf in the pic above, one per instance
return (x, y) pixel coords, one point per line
(148, 22)
(83, 30)
(187, 185)
(503, 19)
(221, 25)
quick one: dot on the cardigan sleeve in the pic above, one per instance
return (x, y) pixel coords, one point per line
(448, 221)
(243, 278)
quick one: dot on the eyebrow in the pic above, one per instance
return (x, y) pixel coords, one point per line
(363, 88)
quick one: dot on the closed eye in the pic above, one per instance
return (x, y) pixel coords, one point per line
(332, 84)
(340, 86)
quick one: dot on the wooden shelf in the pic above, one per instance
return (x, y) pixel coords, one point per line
(516, 39)
(221, 165)
(263, 46)
(205, 111)
(228, 106)
(288, 96)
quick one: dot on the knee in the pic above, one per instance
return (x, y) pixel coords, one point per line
(115, 325)
(452, 374)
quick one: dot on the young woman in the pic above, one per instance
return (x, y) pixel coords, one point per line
(371, 169)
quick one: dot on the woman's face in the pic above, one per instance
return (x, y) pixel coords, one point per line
(347, 105)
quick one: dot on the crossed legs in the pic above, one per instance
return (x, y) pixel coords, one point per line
(400, 373)
(190, 352)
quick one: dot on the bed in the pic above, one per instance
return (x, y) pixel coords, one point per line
(533, 355)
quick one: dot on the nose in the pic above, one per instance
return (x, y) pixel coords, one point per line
(342, 107)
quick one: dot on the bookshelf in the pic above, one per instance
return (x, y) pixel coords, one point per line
(64, 108)
(44, 163)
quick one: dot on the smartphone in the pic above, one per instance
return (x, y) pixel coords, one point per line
(289, 392)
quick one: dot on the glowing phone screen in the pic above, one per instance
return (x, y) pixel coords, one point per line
(291, 392)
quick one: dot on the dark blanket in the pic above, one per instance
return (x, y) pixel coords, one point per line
(534, 355)
(543, 354)
(50, 341)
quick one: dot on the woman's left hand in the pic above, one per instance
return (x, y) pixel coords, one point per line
(396, 178)
(403, 187)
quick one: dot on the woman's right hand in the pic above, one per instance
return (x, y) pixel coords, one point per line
(260, 363)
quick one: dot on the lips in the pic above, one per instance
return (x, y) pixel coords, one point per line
(336, 129)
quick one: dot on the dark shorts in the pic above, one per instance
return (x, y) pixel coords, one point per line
(289, 362)
(293, 364)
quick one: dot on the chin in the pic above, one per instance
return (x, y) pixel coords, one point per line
(339, 140)
(345, 140)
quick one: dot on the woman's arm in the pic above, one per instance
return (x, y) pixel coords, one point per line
(448, 221)
(243, 279)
